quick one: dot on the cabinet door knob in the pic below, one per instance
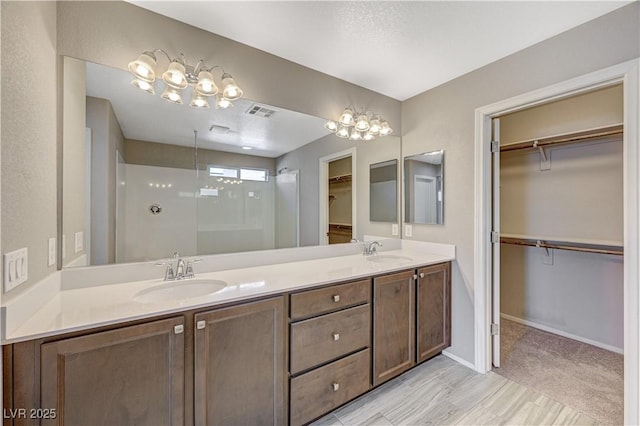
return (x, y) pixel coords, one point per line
(415, 276)
(178, 329)
(336, 336)
(335, 386)
(336, 297)
(201, 324)
(421, 274)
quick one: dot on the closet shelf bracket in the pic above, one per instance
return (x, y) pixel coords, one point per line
(545, 158)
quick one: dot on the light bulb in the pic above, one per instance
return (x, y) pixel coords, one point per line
(342, 132)
(355, 135)
(198, 101)
(385, 129)
(206, 85)
(222, 102)
(374, 126)
(172, 95)
(368, 136)
(331, 125)
(174, 76)
(144, 85)
(230, 89)
(143, 68)
(346, 119)
(362, 124)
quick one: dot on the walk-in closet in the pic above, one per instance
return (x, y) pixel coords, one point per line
(561, 250)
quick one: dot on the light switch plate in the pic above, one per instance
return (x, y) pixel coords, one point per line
(79, 246)
(16, 268)
(52, 252)
(408, 230)
(394, 229)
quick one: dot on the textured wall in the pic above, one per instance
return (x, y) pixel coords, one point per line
(74, 183)
(443, 118)
(29, 132)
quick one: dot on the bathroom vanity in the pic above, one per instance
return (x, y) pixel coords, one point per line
(277, 353)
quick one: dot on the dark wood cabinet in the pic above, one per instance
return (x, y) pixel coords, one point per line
(132, 375)
(240, 365)
(393, 325)
(433, 324)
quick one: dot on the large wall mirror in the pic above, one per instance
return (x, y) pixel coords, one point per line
(383, 191)
(424, 188)
(143, 178)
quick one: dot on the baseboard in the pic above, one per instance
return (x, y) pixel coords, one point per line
(562, 333)
(459, 360)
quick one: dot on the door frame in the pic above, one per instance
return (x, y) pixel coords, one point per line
(323, 200)
(627, 73)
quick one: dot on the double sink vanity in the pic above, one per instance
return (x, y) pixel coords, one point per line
(269, 342)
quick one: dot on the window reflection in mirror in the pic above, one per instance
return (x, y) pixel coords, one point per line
(383, 191)
(424, 188)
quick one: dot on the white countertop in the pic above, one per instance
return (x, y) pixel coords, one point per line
(76, 309)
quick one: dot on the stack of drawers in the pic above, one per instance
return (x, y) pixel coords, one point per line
(330, 359)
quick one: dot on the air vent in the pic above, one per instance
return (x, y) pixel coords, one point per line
(219, 129)
(259, 111)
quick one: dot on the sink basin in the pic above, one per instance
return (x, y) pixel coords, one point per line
(179, 290)
(389, 258)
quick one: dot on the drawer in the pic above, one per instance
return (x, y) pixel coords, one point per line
(314, 302)
(327, 337)
(323, 389)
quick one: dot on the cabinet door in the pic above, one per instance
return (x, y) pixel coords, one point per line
(132, 375)
(240, 366)
(434, 310)
(393, 325)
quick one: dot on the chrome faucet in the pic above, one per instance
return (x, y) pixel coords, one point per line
(183, 270)
(370, 249)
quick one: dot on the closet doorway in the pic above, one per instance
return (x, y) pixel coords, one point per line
(557, 243)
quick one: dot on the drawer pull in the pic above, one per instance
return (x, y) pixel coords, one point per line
(335, 386)
(336, 336)
(421, 274)
(336, 298)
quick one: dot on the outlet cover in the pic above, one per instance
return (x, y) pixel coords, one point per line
(52, 252)
(394, 229)
(408, 230)
(79, 242)
(16, 268)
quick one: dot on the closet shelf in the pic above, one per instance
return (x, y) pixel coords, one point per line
(340, 179)
(566, 138)
(581, 246)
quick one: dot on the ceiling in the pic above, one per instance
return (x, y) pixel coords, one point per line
(149, 118)
(396, 48)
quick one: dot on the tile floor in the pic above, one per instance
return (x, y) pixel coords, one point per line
(443, 392)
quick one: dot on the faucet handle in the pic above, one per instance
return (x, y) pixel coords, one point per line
(189, 272)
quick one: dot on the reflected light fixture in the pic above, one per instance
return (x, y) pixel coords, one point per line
(180, 76)
(362, 125)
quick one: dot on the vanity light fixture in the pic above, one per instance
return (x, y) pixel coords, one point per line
(180, 75)
(357, 126)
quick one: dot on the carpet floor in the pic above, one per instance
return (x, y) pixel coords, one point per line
(584, 377)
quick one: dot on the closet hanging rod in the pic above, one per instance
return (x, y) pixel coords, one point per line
(581, 136)
(565, 245)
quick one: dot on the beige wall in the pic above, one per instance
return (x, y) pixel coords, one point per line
(106, 141)
(183, 157)
(29, 132)
(115, 33)
(74, 154)
(443, 118)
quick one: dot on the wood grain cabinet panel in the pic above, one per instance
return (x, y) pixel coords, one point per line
(393, 325)
(328, 337)
(323, 389)
(433, 310)
(132, 375)
(240, 364)
(315, 302)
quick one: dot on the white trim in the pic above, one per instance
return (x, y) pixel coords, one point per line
(323, 200)
(562, 333)
(626, 72)
(458, 359)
